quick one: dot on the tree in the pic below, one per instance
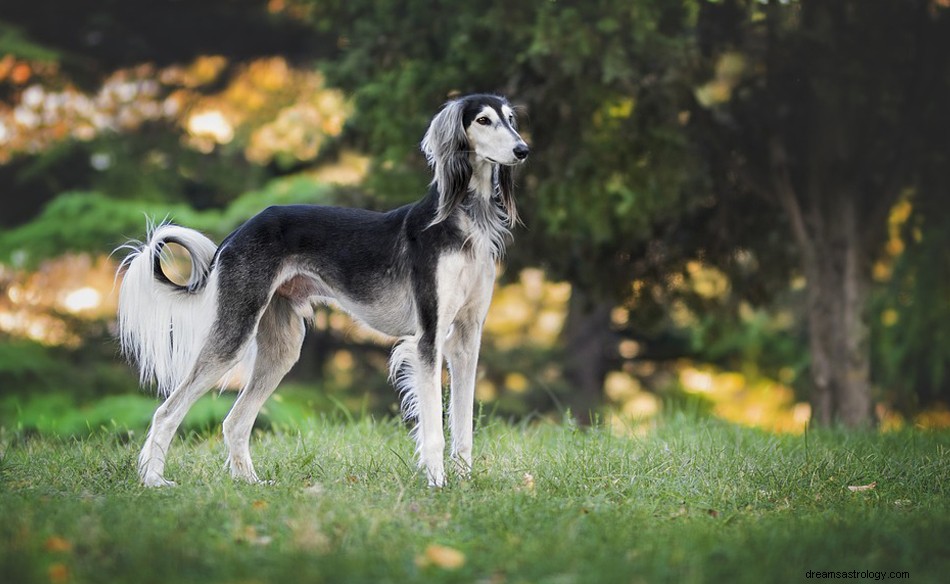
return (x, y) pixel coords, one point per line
(114, 57)
(830, 111)
(602, 110)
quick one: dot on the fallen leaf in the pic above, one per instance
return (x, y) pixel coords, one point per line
(57, 544)
(856, 488)
(251, 536)
(527, 481)
(316, 489)
(441, 556)
(259, 505)
(58, 574)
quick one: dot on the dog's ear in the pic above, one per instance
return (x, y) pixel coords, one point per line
(447, 149)
(505, 191)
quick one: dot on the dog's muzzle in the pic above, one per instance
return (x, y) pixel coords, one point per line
(521, 151)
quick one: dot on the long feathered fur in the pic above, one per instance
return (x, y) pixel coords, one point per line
(162, 327)
(447, 150)
(422, 273)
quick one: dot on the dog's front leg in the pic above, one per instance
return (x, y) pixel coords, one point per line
(462, 348)
(462, 352)
(430, 438)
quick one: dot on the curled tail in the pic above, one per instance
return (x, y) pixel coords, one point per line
(163, 325)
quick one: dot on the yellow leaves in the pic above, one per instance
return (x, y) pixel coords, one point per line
(530, 311)
(729, 70)
(267, 105)
(611, 112)
(889, 317)
(58, 544)
(206, 69)
(208, 128)
(516, 383)
(936, 417)
(34, 302)
(756, 402)
(307, 111)
(895, 244)
(632, 401)
(58, 572)
(440, 556)
(621, 109)
(707, 281)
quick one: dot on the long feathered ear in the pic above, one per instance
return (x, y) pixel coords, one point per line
(505, 191)
(447, 150)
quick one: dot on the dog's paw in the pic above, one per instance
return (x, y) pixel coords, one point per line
(155, 481)
(254, 480)
(242, 469)
(436, 481)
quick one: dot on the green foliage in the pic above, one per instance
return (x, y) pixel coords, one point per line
(81, 221)
(601, 94)
(73, 414)
(832, 111)
(754, 344)
(651, 123)
(691, 501)
(14, 42)
(20, 359)
(911, 321)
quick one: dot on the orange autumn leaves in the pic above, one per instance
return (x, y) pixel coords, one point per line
(58, 572)
(440, 556)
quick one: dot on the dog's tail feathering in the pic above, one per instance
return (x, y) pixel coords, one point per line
(163, 325)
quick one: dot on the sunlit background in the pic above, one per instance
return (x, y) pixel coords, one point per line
(87, 152)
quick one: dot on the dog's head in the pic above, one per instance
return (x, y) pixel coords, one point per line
(469, 130)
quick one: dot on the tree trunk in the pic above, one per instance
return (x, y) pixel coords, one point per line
(833, 245)
(838, 281)
(589, 347)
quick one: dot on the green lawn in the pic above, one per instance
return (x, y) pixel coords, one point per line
(692, 500)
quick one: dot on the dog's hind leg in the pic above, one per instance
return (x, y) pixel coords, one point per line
(169, 416)
(228, 339)
(279, 338)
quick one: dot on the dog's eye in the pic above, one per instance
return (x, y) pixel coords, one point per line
(483, 121)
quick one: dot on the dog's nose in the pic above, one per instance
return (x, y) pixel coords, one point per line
(521, 151)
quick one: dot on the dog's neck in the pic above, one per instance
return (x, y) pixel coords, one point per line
(482, 183)
(489, 231)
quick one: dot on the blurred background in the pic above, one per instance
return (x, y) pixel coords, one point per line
(734, 207)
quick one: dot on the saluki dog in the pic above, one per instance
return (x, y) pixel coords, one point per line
(422, 273)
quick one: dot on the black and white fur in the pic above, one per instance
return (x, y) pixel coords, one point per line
(423, 273)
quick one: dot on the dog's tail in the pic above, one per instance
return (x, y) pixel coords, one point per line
(163, 325)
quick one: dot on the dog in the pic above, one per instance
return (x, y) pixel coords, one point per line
(422, 273)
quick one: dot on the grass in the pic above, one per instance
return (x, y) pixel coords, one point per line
(692, 500)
